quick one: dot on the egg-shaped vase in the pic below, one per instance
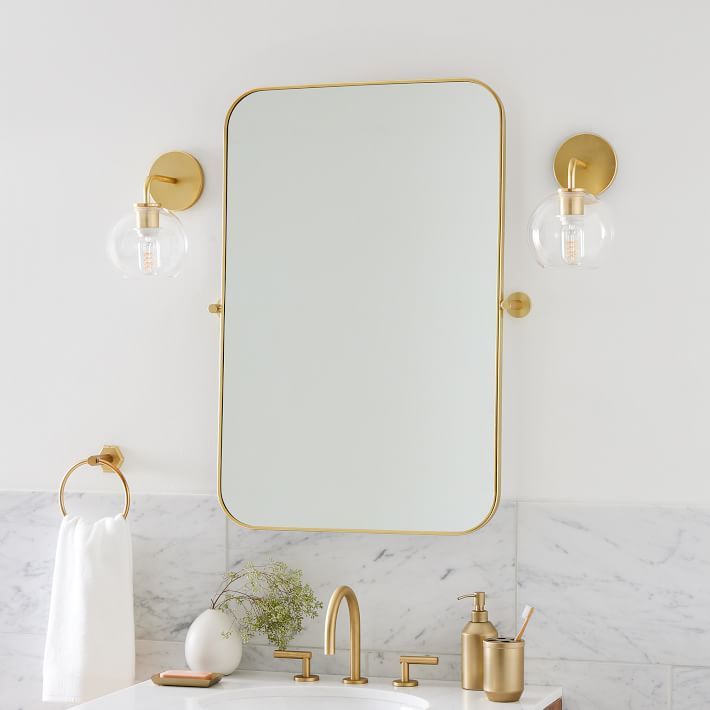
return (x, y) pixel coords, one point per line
(213, 643)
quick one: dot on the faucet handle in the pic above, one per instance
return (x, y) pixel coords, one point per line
(405, 661)
(305, 657)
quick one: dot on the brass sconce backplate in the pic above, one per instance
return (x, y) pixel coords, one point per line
(600, 158)
(517, 304)
(187, 189)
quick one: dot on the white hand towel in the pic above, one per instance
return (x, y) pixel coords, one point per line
(90, 647)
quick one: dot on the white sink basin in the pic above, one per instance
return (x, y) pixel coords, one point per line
(311, 698)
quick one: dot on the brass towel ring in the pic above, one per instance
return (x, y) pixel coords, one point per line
(96, 461)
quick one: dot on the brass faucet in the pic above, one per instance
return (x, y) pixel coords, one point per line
(330, 616)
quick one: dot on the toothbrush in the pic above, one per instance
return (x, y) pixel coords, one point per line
(525, 616)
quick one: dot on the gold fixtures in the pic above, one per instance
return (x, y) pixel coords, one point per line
(178, 181)
(472, 636)
(517, 304)
(404, 681)
(585, 162)
(331, 615)
(109, 454)
(572, 227)
(503, 669)
(215, 308)
(150, 241)
(110, 459)
(305, 657)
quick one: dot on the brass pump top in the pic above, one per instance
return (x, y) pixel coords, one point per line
(479, 612)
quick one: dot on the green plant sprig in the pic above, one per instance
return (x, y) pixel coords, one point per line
(270, 599)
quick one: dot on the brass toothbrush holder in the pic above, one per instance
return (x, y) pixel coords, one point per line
(503, 669)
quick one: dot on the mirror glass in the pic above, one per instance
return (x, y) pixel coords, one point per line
(360, 362)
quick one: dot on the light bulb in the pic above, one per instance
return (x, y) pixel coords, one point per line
(572, 239)
(148, 252)
(570, 228)
(149, 241)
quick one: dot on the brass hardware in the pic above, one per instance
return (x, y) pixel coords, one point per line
(175, 181)
(215, 308)
(405, 661)
(472, 636)
(331, 615)
(148, 212)
(572, 198)
(517, 304)
(479, 601)
(157, 178)
(109, 459)
(503, 669)
(571, 201)
(478, 612)
(147, 215)
(499, 322)
(112, 454)
(572, 166)
(305, 657)
(594, 155)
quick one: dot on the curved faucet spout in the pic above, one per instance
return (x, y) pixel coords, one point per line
(331, 616)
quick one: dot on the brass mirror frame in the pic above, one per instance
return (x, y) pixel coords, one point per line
(499, 320)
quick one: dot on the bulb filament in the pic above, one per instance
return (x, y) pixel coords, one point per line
(148, 255)
(572, 237)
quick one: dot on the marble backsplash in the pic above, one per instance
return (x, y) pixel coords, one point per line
(622, 592)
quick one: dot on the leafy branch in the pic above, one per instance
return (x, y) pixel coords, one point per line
(270, 599)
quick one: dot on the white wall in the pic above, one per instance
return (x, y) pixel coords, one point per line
(605, 383)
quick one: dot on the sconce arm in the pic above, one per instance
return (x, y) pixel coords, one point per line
(572, 166)
(149, 180)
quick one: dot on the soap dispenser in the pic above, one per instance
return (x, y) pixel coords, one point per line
(472, 637)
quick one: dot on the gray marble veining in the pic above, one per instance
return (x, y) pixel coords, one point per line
(156, 656)
(406, 585)
(616, 583)
(178, 559)
(691, 689)
(603, 686)
(29, 523)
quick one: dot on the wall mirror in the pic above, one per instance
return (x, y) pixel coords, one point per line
(361, 321)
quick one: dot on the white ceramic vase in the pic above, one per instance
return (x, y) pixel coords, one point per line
(206, 648)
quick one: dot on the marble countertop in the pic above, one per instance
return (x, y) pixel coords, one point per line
(440, 695)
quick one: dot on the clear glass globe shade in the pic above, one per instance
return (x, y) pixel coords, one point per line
(149, 241)
(580, 241)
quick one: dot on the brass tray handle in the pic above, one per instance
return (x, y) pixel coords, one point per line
(105, 461)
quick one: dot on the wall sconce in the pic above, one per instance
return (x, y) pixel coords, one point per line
(572, 227)
(150, 240)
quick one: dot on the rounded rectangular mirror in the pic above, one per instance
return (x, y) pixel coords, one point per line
(360, 384)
